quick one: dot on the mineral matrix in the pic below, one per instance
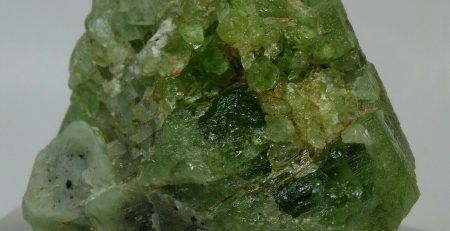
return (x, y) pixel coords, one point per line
(222, 115)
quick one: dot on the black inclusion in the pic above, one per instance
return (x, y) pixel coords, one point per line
(69, 184)
(236, 110)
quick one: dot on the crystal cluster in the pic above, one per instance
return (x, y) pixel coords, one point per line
(222, 115)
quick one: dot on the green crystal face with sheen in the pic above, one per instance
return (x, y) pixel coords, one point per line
(223, 115)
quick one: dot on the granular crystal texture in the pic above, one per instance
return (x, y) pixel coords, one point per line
(223, 115)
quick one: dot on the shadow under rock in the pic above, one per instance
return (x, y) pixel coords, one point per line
(14, 222)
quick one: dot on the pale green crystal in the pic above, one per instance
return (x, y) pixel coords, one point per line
(262, 75)
(76, 165)
(222, 115)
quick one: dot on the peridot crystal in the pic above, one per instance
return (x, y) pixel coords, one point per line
(223, 115)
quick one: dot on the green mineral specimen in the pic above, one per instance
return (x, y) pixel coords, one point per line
(223, 115)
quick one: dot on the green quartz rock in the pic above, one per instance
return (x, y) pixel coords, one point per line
(223, 115)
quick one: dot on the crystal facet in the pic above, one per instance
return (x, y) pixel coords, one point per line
(223, 115)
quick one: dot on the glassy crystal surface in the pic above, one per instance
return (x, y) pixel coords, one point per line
(223, 115)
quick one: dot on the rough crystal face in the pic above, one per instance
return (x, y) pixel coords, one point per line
(223, 115)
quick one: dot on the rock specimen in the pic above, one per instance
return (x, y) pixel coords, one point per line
(223, 115)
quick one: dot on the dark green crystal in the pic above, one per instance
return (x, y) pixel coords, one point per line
(223, 115)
